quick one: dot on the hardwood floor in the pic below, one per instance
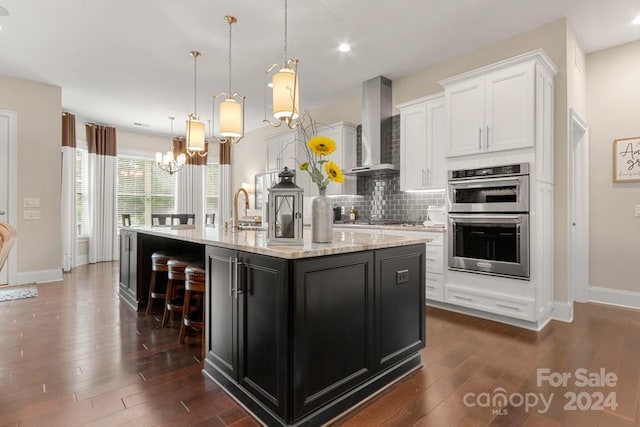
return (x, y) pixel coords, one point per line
(77, 355)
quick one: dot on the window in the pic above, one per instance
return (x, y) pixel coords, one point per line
(211, 188)
(82, 179)
(143, 189)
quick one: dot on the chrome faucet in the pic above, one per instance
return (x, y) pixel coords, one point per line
(236, 222)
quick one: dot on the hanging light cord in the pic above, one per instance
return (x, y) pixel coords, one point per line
(285, 33)
(230, 24)
(195, 85)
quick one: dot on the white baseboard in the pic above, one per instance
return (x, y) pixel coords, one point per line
(82, 260)
(562, 311)
(41, 276)
(617, 297)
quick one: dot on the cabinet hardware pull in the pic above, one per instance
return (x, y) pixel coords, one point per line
(230, 276)
(487, 136)
(428, 176)
(463, 298)
(238, 281)
(235, 278)
(430, 259)
(508, 306)
(430, 286)
(479, 138)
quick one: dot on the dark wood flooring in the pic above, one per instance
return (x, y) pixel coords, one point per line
(77, 355)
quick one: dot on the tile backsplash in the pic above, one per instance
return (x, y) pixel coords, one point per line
(379, 198)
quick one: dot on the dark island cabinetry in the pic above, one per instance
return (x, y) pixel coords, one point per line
(299, 341)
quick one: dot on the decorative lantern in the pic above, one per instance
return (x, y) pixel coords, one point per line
(285, 211)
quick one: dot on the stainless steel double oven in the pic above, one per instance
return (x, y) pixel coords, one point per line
(489, 220)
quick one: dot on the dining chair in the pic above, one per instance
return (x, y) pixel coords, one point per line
(126, 220)
(209, 219)
(183, 219)
(160, 220)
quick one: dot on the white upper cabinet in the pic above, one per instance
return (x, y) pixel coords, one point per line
(345, 136)
(493, 108)
(422, 144)
(286, 149)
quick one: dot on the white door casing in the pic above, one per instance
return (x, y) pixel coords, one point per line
(578, 208)
(9, 186)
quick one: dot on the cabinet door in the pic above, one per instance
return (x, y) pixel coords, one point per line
(510, 95)
(400, 287)
(124, 260)
(465, 117)
(262, 326)
(413, 146)
(345, 155)
(222, 324)
(436, 145)
(333, 328)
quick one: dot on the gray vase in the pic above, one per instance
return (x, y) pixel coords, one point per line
(321, 218)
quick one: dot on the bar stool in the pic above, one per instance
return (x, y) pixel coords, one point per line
(193, 312)
(175, 284)
(159, 261)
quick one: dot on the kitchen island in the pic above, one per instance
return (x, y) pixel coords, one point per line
(299, 334)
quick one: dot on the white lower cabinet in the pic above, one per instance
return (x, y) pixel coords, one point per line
(492, 302)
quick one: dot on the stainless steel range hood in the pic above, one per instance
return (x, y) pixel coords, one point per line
(376, 128)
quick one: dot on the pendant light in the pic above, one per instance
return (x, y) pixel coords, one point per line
(231, 110)
(169, 162)
(195, 128)
(284, 86)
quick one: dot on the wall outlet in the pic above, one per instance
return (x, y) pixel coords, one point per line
(402, 276)
(32, 214)
(637, 211)
(31, 202)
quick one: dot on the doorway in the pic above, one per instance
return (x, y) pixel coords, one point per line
(8, 186)
(578, 208)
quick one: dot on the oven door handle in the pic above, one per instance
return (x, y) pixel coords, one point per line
(486, 218)
(482, 182)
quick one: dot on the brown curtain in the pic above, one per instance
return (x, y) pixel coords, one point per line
(101, 139)
(68, 130)
(180, 146)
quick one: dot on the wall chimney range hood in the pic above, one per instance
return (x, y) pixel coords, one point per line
(376, 129)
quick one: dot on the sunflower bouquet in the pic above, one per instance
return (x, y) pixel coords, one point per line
(316, 148)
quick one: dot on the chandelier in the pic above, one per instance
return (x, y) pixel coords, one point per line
(168, 162)
(231, 110)
(284, 86)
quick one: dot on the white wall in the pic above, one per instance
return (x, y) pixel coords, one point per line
(39, 145)
(613, 107)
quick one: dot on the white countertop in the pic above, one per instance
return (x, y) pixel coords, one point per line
(255, 241)
(438, 228)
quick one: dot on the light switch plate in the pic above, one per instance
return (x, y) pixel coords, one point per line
(31, 202)
(32, 214)
(637, 211)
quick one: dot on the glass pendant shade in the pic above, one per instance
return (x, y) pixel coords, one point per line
(285, 94)
(230, 119)
(195, 135)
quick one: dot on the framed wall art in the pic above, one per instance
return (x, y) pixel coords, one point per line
(626, 159)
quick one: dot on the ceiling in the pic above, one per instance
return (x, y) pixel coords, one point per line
(122, 61)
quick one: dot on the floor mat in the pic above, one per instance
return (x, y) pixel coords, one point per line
(8, 293)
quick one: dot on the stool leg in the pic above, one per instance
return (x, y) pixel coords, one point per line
(169, 295)
(185, 313)
(152, 288)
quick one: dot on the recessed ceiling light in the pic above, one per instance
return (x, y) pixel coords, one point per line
(636, 21)
(344, 47)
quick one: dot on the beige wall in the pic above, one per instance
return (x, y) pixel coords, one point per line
(613, 107)
(39, 142)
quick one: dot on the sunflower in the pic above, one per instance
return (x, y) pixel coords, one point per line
(304, 166)
(334, 172)
(321, 145)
